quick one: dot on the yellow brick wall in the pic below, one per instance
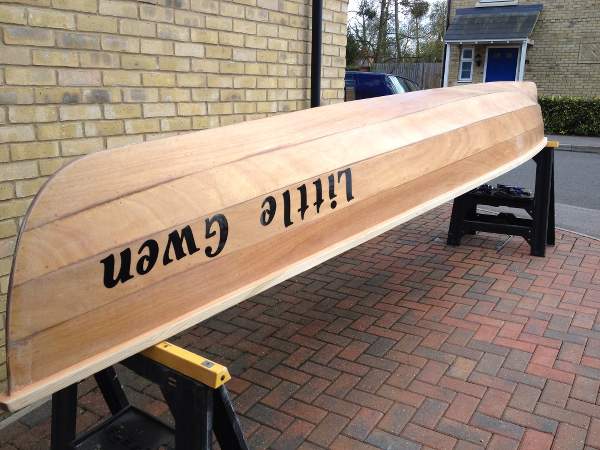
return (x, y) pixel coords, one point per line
(564, 59)
(78, 76)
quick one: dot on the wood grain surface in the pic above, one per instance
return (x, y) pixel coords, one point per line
(156, 237)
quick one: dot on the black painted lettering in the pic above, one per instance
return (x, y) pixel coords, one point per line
(332, 194)
(110, 281)
(268, 214)
(175, 241)
(146, 262)
(287, 209)
(303, 201)
(319, 192)
(221, 221)
(348, 177)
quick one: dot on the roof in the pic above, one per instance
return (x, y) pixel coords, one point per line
(366, 74)
(496, 23)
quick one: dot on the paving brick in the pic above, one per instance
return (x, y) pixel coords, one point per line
(428, 437)
(430, 412)
(402, 396)
(524, 378)
(362, 424)
(585, 389)
(462, 408)
(499, 442)
(373, 380)
(432, 372)
(490, 364)
(462, 386)
(342, 443)
(529, 420)
(556, 393)
(263, 437)
(328, 429)
(525, 397)
(464, 432)
(335, 405)
(593, 435)
(381, 439)
(553, 374)
(403, 376)
(461, 368)
(311, 389)
(396, 418)
(544, 356)
(270, 417)
(429, 390)
(293, 436)
(280, 394)
(562, 415)
(303, 411)
(517, 360)
(569, 437)
(536, 440)
(492, 382)
(497, 426)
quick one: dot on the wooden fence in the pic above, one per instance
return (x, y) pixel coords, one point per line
(426, 75)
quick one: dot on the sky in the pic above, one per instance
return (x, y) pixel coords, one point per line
(353, 6)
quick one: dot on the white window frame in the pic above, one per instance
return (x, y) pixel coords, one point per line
(463, 59)
(497, 2)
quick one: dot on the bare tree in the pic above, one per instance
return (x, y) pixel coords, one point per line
(417, 9)
(382, 32)
(397, 30)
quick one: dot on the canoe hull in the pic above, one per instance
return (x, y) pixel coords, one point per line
(128, 267)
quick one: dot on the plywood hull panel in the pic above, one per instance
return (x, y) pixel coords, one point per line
(152, 245)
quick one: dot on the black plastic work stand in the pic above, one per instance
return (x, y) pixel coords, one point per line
(198, 410)
(537, 231)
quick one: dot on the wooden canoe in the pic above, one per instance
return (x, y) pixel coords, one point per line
(124, 248)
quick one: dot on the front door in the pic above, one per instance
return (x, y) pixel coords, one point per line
(502, 64)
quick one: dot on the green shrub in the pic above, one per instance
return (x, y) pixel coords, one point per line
(571, 115)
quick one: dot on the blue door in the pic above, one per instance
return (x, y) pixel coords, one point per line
(501, 64)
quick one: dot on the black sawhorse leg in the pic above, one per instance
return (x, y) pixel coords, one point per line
(193, 388)
(64, 407)
(64, 418)
(539, 231)
(543, 196)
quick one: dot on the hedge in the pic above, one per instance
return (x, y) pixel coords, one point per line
(571, 115)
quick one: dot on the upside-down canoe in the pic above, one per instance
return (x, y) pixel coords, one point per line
(124, 248)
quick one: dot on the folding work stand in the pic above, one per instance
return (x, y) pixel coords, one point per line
(194, 389)
(537, 231)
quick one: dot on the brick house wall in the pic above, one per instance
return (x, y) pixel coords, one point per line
(78, 76)
(564, 57)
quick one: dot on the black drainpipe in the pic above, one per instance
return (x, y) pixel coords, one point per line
(315, 56)
(449, 6)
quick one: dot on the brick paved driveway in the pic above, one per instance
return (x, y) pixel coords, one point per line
(406, 343)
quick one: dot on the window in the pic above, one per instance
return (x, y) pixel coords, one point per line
(497, 2)
(465, 71)
(397, 88)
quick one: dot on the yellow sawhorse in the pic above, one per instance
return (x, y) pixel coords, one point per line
(193, 387)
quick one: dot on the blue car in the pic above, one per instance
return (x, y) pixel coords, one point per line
(372, 84)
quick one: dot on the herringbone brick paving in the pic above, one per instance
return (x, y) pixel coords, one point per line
(405, 343)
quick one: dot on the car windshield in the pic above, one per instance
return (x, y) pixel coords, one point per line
(407, 85)
(396, 86)
(413, 86)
